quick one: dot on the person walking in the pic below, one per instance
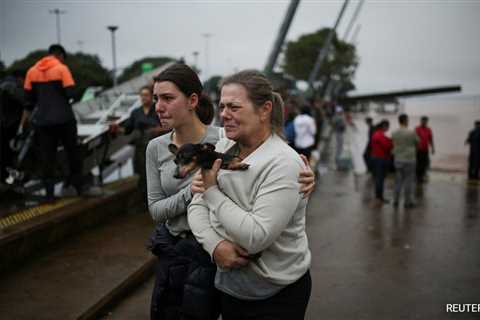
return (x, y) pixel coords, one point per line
(425, 145)
(368, 147)
(381, 157)
(404, 146)
(339, 127)
(305, 132)
(473, 140)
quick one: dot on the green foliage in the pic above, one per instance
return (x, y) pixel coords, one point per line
(86, 69)
(341, 62)
(2, 69)
(135, 69)
(212, 84)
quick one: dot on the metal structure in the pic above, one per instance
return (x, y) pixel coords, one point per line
(282, 33)
(352, 21)
(324, 51)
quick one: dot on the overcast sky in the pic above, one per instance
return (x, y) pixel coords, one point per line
(401, 44)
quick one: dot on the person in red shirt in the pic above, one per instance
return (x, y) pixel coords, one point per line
(425, 137)
(381, 154)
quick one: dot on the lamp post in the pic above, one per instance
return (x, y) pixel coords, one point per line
(57, 12)
(114, 54)
(207, 37)
(195, 59)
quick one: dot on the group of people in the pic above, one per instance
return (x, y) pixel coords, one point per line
(406, 153)
(228, 242)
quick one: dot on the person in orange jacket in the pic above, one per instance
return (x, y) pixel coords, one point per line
(49, 86)
(381, 153)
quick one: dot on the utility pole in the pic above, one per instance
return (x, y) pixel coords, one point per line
(282, 33)
(57, 12)
(207, 66)
(352, 21)
(114, 54)
(324, 51)
(195, 59)
(80, 45)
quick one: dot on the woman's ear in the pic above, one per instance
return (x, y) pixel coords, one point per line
(193, 101)
(265, 110)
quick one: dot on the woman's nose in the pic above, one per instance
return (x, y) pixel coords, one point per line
(224, 113)
(158, 107)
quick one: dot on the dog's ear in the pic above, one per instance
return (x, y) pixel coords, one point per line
(173, 148)
(208, 146)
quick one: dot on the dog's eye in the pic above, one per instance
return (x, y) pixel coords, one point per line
(175, 161)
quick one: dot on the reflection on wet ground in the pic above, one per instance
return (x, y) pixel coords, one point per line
(372, 261)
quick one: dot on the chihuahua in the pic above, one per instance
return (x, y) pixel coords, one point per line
(191, 156)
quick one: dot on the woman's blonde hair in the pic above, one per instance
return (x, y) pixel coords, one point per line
(259, 91)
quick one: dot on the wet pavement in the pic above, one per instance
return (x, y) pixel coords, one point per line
(375, 262)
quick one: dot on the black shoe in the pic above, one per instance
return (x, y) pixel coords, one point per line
(395, 204)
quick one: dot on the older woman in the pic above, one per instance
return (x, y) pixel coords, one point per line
(253, 222)
(184, 272)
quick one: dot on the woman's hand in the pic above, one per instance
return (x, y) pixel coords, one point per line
(197, 183)
(306, 179)
(210, 176)
(228, 255)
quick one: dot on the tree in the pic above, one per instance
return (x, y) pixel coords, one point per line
(86, 69)
(2, 69)
(340, 65)
(135, 69)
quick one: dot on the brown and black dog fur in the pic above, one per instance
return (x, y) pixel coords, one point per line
(191, 156)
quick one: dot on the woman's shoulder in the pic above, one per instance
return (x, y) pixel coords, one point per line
(281, 153)
(159, 143)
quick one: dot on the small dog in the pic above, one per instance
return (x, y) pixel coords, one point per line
(191, 156)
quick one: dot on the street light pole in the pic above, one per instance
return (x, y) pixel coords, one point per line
(207, 67)
(114, 55)
(195, 59)
(58, 12)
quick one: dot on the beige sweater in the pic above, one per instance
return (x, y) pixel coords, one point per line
(260, 209)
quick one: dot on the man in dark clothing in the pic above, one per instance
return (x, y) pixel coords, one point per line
(425, 136)
(145, 125)
(473, 140)
(49, 86)
(381, 158)
(12, 103)
(368, 148)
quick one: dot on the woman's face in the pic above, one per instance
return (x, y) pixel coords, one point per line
(240, 118)
(146, 97)
(171, 105)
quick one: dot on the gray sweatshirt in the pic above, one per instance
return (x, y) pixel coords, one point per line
(168, 197)
(261, 210)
